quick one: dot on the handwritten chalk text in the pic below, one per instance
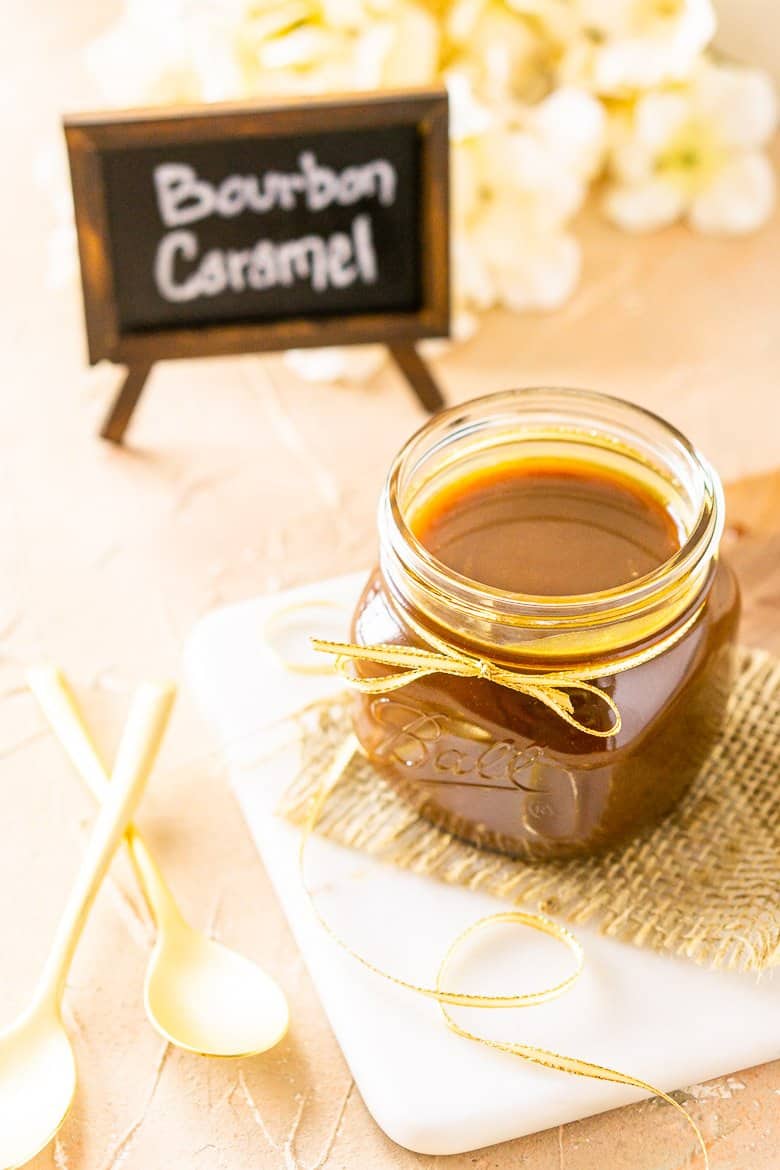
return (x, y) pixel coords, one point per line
(184, 272)
(337, 261)
(183, 197)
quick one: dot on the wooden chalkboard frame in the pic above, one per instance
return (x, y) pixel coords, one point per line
(89, 135)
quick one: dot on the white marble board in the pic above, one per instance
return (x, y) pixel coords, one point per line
(660, 1018)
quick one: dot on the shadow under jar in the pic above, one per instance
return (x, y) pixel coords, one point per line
(549, 531)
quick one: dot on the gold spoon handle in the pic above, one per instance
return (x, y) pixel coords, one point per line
(140, 742)
(59, 705)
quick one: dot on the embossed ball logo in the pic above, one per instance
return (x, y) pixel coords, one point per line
(454, 751)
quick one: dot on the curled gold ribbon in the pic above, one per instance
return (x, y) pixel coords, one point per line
(414, 663)
(280, 621)
(450, 997)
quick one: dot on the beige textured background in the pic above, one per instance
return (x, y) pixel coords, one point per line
(239, 480)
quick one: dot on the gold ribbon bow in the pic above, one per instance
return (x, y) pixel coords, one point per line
(414, 663)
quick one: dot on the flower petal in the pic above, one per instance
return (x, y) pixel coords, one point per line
(415, 51)
(741, 102)
(638, 44)
(547, 276)
(659, 116)
(474, 286)
(358, 363)
(469, 117)
(573, 124)
(506, 53)
(465, 184)
(644, 206)
(637, 141)
(523, 172)
(463, 16)
(740, 199)
(144, 57)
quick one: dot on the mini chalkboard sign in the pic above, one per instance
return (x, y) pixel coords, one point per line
(235, 228)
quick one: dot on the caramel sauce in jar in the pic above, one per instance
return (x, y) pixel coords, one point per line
(548, 528)
(549, 531)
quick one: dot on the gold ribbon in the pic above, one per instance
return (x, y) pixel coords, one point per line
(281, 622)
(414, 662)
(450, 997)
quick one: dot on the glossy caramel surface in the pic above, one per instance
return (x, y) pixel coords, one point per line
(548, 528)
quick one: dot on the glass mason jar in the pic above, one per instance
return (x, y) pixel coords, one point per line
(496, 766)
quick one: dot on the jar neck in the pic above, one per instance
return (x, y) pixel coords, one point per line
(559, 424)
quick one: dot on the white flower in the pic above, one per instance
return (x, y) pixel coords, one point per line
(334, 45)
(474, 286)
(530, 266)
(573, 126)
(506, 53)
(695, 152)
(520, 167)
(515, 188)
(413, 57)
(358, 363)
(545, 154)
(153, 54)
(213, 50)
(628, 45)
(513, 249)
(469, 117)
(470, 120)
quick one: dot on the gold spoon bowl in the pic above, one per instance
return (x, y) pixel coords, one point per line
(37, 1084)
(37, 1067)
(199, 994)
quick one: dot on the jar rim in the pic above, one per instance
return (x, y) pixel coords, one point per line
(701, 539)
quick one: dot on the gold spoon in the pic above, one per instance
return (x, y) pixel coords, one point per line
(199, 994)
(37, 1067)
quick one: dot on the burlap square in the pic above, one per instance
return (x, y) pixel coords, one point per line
(704, 883)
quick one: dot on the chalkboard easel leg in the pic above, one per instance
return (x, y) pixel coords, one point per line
(417, 375)
(124, 404)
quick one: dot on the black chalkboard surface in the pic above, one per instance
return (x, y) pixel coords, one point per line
(296, 226)
(234, 228)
